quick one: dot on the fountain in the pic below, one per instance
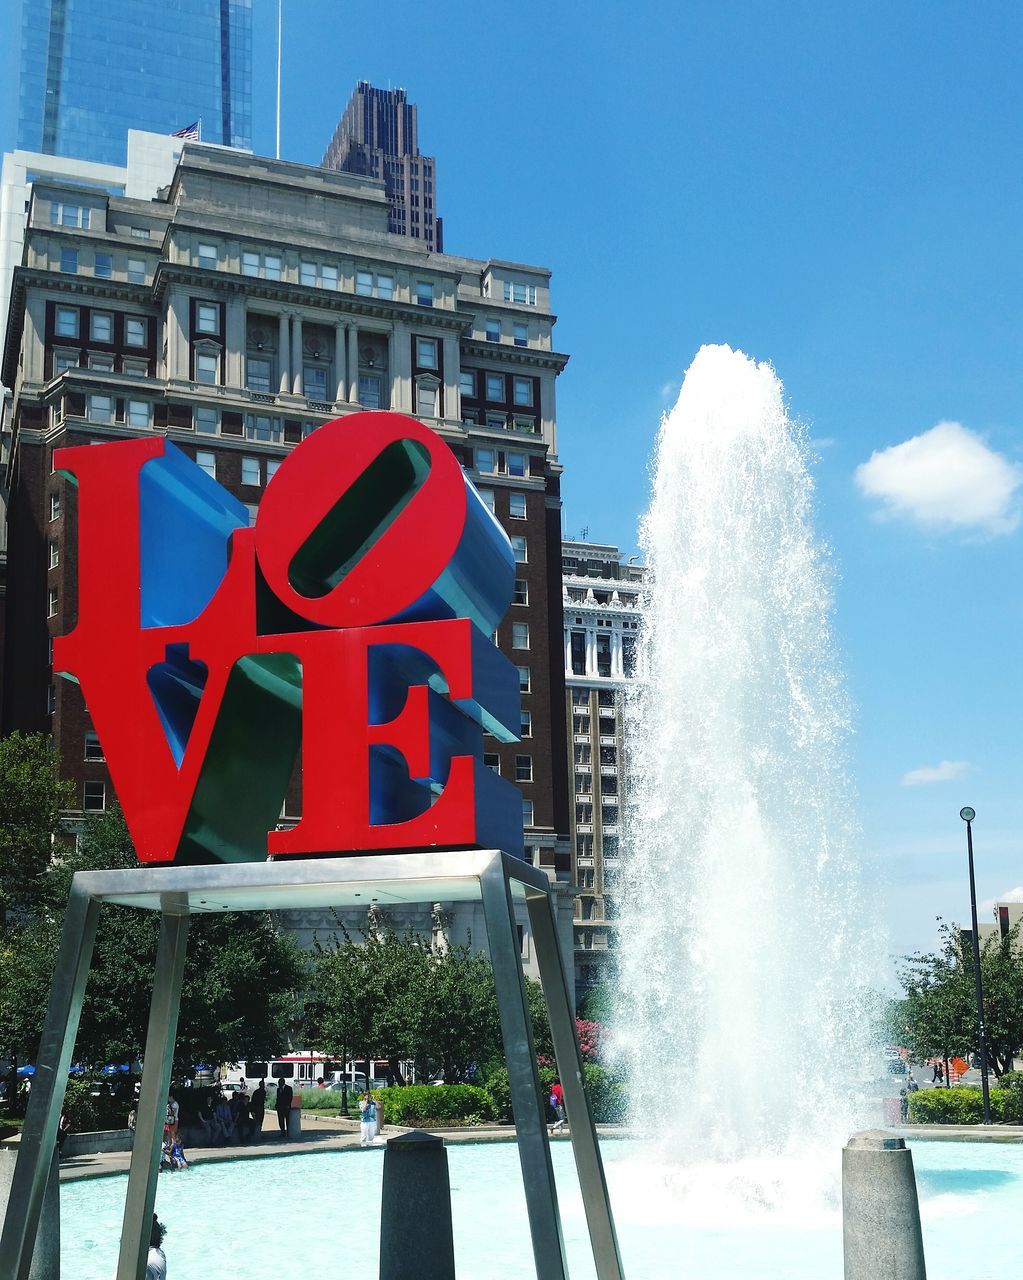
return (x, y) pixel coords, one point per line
(747, 934)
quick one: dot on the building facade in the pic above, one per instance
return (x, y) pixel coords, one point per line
(600, 599)
(89, 72)
(248, 304)
(378, 137)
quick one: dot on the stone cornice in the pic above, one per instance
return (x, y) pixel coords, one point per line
(503, 353)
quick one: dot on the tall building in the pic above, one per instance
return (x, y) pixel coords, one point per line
(235, 336)
(89, 72)
(377, 137)
(602, 611)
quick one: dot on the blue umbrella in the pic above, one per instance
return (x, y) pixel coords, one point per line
(26, 1071)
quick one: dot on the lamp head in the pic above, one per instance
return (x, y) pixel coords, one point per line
(967, 814)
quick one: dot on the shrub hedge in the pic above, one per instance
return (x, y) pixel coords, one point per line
(606, 1093)
(964, 1104)
(443, 1104)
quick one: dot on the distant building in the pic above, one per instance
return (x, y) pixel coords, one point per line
(600, 599)
(1007, 916)
(377, 137)
(89, 72)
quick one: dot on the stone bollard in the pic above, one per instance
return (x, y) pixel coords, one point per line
(416, 1241)
(880, 1210)
(46, 1258)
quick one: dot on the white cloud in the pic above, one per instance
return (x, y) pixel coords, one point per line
(945, 478)
(823, 442)
(947, 771)
(987, 907)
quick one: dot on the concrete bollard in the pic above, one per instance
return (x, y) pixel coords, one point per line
(46, 1258)
(416, 1240)
(880, 1209)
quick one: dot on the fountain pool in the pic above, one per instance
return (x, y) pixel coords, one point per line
(318, 1214)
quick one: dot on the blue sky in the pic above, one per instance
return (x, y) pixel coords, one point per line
(835, 189)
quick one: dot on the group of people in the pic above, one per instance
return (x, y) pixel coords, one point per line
(239, 1116)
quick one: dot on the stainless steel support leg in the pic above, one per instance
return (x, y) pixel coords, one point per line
(49, 1084)
(589, 1165)
(527, 1103)
(152, 1108)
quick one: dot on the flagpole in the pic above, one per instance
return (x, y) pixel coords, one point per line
(279, 5)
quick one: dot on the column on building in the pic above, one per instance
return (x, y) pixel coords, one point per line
(617, 667)
(591, 651)
(234, 341)
(340, 374)
(452, 407)
(296, 355)
(177, 336)
(568, 651)
(283, 354)
(353, 364)
(402, 396)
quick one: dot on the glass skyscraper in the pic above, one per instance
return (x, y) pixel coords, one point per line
(93, 69)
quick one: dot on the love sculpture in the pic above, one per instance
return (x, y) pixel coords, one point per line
(349, 628)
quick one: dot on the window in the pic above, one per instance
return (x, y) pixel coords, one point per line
(250, 471)
(516, 291)
(271, 468)
(581, 724)
(271, 267)
(584, 813)
(582, 753)
(69, 261)
(51, 602)
(101, 363)
(282, 1070)
(492, 761)
(308, 274)
(364, 283)
(609, 755)
(495, 386)
(609, 815)
(101, 326)
(66, 325)
(64, 360)
(523, 391)
(250, 264)
(486, 461)
(523, 768)
(385, 286)
(103, 266)
(207, 420)
(493, 330)
(328, 278)
(426, 353)
(496, 421)
(261, 427)
(206, 367)
(139, 413)
(519, 548)
(369, 390)
(139, 233)
(527, 813)
(94, 796)
(517, 506)
(629, 655)
(99, 408)
(578, 646)
(520, 635)
(314, 380)
(526, 724)
(208, 255)
(467, 383)
(207, 462)
(521, 595)
(54, 506)
(488, 498)
(611, 848)
(253, 511)
(603, 655)
(257, 374)
(207, 317)
(69, 215)
(93, 750)
(424, 293)
(135, 331)
(54, 555)
(136, 271)
(518, 464)
(523, 679)
(520, 335)
(426, 398)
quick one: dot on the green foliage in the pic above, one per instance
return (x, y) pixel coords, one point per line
(963, 1104)
(597, 1005)
(31, 799)
(496, 1085)
(326, 1100)
(394, 997)
(421, 1104)
(937, 1017)
(543, 1042)
(607, 1094)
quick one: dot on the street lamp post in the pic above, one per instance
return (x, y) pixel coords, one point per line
(967, 816)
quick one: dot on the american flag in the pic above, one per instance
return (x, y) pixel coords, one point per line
(190, 132)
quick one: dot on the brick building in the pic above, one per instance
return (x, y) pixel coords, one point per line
(247, 304)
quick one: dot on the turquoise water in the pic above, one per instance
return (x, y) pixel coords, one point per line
(316, 1215)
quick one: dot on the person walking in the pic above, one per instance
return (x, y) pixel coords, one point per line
(367, 1119)
(257, 1110)
(285, 1093)
(558, 1105)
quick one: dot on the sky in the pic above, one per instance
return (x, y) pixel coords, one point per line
(834, 189)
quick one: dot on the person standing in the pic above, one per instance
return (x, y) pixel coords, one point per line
(173, 1111)
(156, 1261)
(558, 1104)
(367, 1119)
(257, 1110)
(285, 1093)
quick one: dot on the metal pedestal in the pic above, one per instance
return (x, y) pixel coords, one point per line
(406, 879)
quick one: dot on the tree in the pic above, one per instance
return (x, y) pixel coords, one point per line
(32, 796)
(938, 1015)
